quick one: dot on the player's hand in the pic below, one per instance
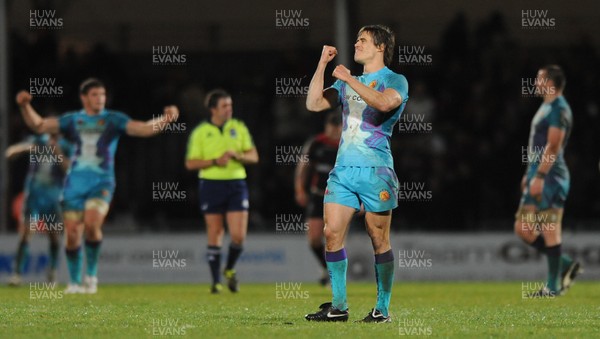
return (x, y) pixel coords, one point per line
(342, 73)
(171, 113)
(328, 53)
(523, 183)
(301, 198)
(224, 159)
(536, 187)
(23, 98)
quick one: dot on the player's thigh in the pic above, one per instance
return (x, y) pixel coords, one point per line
(237, 224)
(214, 227)
(525, 218)
(337, 219)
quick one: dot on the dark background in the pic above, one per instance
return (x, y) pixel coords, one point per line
(471, 94)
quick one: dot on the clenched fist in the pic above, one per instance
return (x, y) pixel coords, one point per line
(171, 113)
(342, 73)
(23, 98)
(328, 53)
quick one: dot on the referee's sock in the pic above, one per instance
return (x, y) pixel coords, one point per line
(235, 250)
(213, 256)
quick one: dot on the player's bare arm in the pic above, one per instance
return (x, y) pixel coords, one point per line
(555, 140)
(16, 149)
(382, 101)
(198, 164)
(318, 100)
(136, 128)
(248, 157)
(33, 120)
(300, 181)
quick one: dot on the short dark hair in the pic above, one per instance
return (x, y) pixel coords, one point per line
(382, 35)
(333, 118)
(88, 84)
(557, 75)
(213, 97)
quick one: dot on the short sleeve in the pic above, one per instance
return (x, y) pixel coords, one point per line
(557, 118)
(247, 142)
(64, 122)
(66, 147)
(120, 120)
(337, 85)
(399, 83)
(194, 148)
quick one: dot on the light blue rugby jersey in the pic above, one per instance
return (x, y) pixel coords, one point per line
(95, 138)
(366, 132)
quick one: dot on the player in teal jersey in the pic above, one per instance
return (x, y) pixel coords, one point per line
(545, 184)
(90, 183)
(363, 172)
(48, 162)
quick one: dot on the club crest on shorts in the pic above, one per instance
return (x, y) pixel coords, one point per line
(384, 195)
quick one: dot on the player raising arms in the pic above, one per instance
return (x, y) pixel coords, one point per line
(546, 182)
(363, 173)
(90, 183)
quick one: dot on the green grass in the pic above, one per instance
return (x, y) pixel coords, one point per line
(443, 309)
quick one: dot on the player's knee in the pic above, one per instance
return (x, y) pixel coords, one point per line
(332, 233)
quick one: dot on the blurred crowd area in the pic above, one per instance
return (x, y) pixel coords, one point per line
(470, 161)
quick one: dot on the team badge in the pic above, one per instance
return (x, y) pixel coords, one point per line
(101, 122)
(384, 195)
(373, 84)
(232, 133)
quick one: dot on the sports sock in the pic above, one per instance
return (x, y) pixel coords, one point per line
(553, 256)
(75, 264)
(22, 254)
(384, 274)
(213, 256)
(53, 254)
(337, 265)
(92, 253)
(234, 253)
(319, 251)
(540, 245)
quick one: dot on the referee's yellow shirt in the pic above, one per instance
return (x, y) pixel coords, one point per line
(208, 142)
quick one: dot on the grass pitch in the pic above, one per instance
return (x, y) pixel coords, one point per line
(459, 310)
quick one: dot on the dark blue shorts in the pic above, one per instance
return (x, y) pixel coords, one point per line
(220, 196)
